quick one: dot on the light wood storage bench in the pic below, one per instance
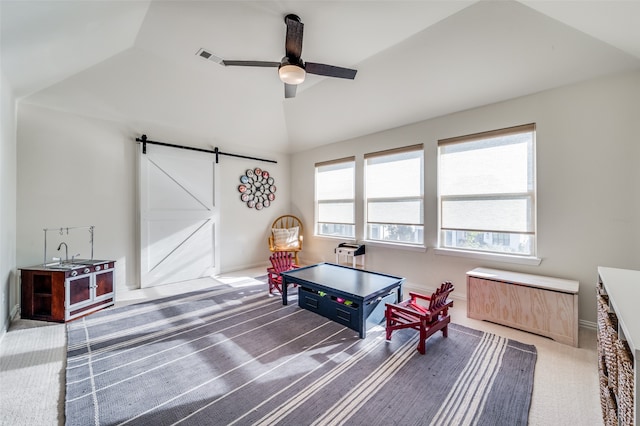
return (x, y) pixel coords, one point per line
(619, 344)
(542, 305)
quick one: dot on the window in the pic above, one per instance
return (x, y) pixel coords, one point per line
(394, 186)
(335, 193)
(487, 191)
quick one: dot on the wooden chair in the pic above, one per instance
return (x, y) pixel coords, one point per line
(280, 262)
(286, 236)
(426, 319)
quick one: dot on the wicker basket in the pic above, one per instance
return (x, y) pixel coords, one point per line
(600, 288)
(608, 402)
(603, 311)
(607, 337)
(611, 354)
(602, 366)
(600, 313)
(604, 386)
(625, 382)
(609, 406)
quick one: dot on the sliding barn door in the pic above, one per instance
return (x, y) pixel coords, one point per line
(178, 215)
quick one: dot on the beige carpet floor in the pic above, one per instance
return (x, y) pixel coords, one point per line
(33, 356)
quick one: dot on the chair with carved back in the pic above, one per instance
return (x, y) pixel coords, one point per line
(286, 236)
(281, 261)
(427, 319)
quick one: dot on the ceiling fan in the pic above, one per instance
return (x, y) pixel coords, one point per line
(292, 69)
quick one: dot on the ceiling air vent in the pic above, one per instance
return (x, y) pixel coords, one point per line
(209, 56)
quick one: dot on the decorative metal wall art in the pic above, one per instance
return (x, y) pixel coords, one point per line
(257, 188)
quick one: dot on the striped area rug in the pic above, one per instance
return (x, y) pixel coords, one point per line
(235, 356)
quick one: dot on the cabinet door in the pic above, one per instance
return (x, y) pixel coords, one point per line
(79, 290)
(42, 295)
(104, 283)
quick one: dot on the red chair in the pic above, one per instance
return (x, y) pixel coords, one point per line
(426, 319)
(281, 261)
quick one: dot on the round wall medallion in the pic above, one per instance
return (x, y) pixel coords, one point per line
(257, 188)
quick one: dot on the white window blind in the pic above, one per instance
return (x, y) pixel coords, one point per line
(487, 191)
(394, 185)
(335, 193)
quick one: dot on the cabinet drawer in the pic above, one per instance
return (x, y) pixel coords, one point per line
(329, 307)
(342, 314)
(309, 299)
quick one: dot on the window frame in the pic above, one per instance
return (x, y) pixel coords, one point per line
(352, 200)
(529, 195)
(418, 148)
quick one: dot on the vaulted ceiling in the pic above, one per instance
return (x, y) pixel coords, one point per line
(135, 62)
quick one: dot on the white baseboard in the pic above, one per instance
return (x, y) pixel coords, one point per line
(587, 324)
(407, 287)
(14, 312)
(12, 316)
(243, 267)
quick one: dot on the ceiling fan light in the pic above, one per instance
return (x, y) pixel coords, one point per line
(291, 74)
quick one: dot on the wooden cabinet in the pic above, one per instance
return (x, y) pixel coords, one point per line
(618, 344)
(42, 295)
(60, 295)
(537, 304)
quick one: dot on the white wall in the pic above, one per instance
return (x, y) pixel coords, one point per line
(74, 171)
(9, 294)
(588, 162)
(245, 231)
(78, 171)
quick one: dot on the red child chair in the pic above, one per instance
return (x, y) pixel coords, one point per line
(427, 320)
(281, 261)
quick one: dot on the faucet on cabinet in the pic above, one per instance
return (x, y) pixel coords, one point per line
(66, 252)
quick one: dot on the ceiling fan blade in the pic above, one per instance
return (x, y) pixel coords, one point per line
(293, 41)
(290, 90)
(228, 63)
(330, 70)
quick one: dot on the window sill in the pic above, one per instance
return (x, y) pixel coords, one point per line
(336, 237)
(375, 243)
(520, 260)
